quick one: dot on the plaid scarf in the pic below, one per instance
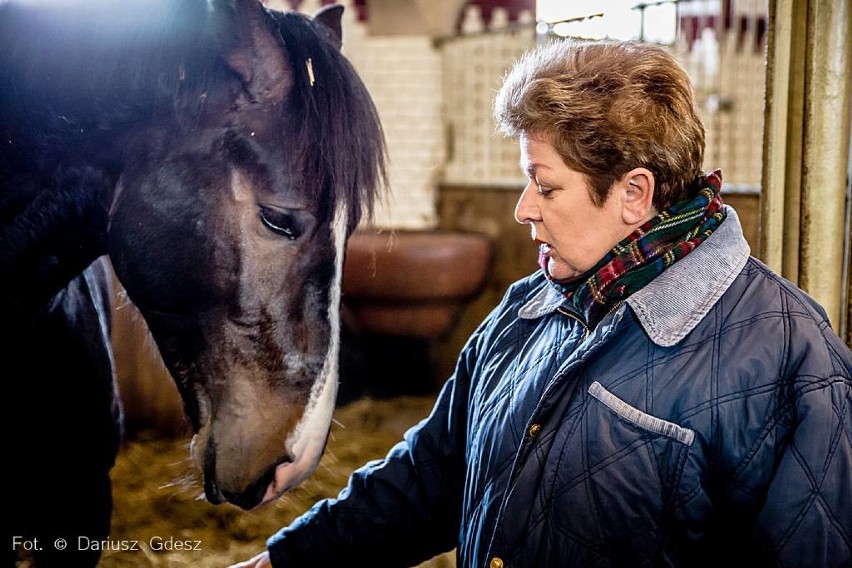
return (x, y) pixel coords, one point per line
(646, 252)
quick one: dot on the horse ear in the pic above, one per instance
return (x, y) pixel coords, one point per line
(330, 16)
(257, 56)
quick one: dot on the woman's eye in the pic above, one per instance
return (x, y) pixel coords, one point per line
(281, 223)
(543, 190)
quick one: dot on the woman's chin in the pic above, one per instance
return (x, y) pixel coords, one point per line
(561, 273)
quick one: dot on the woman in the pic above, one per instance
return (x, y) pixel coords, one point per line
(653, 396)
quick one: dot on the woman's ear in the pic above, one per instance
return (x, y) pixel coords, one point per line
(637, 190)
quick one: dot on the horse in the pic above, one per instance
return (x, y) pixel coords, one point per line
(215, 156)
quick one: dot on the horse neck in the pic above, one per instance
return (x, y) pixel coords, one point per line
(82, 86)
(53, 237)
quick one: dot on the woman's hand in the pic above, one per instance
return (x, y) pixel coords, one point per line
(259, 561)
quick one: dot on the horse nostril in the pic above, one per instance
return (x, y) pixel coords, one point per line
(211, 488)
(211, 491)
(253, 494)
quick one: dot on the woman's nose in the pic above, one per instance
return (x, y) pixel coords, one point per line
(526, 210)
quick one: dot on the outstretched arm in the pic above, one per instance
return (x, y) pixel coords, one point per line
(259, 561)
(405, 507)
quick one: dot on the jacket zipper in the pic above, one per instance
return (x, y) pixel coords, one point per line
(612, 309)
(586, 330)
(513, 475)
(578, 319)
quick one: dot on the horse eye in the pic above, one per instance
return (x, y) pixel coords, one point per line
(281, 223)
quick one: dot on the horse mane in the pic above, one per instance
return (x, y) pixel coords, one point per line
(339, 133)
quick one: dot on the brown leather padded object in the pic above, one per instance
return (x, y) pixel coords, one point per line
(412, 282)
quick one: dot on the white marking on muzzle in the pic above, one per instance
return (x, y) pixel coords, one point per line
(307, 441)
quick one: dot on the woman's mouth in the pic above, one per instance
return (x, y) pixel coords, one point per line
(544, 252)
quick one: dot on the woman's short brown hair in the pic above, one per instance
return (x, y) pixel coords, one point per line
(607, 107)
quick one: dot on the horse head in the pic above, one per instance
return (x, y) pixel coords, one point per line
(227, 229)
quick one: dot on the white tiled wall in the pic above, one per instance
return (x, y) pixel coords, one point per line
(728, 70)
(403, 75)
(474, 65)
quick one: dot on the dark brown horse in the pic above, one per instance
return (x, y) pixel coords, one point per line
(218, 154)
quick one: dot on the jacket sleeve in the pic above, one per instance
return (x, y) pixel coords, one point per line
(806, 519)
(398, 511)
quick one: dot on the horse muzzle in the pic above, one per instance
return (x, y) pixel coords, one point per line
(244, 490)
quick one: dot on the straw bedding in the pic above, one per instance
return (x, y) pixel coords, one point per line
(158, 503)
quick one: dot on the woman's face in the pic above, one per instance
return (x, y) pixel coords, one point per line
(573, 232)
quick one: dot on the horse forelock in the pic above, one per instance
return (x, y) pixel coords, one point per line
(338, 130)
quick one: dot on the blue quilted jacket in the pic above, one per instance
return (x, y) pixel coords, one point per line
(707, 421)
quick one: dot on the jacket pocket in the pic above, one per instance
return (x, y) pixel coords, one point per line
(641, 419)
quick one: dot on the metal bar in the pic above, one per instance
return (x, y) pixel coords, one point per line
(826, 152)
(778, 56)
